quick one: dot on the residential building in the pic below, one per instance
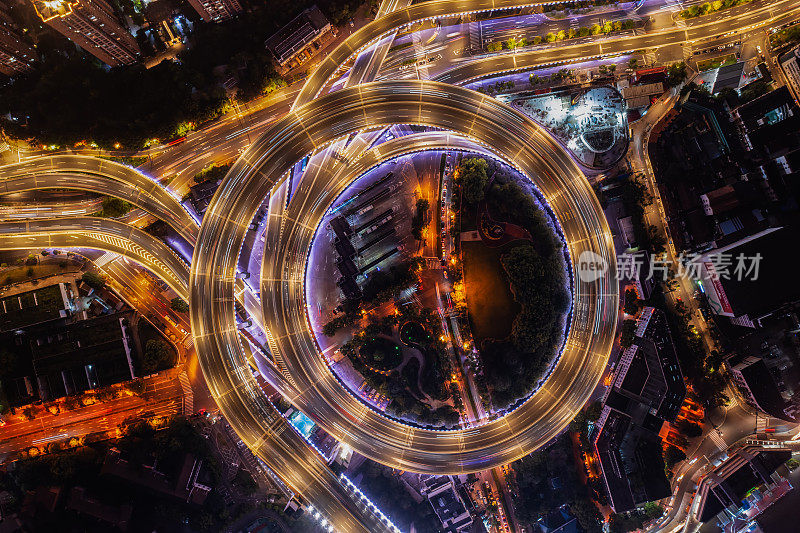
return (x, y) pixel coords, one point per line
(93, 25)
(646, 394)
(631, 462)
(16, 55)
(447, 504)
(300, 39)
(559, 521)
(188, 486)
(749, 293)
(216, 10)
(790, 63)
(759, 387)
(737, 482)
(118, 516)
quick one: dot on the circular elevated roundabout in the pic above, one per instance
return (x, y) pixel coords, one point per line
(311, 386)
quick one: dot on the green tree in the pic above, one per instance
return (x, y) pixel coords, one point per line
(676, 73)
(550, 37)
(419, 220)
(653, 510)
(179, 304)
(158, 355)
(114, 207)
(472, 179)
(93, 280)
(494, 46)
(632, 63)
(588, 515)
(632, 302)
(628, 330)
(672, 456)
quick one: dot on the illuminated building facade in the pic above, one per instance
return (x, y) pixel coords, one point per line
(216, 10)
(92, 25)
(16, 56)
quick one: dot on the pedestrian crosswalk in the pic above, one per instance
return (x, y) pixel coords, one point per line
(718, 441)
(762, 422)
(105, 259)
(188, 395)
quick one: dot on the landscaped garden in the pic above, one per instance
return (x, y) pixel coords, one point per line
(517, 290)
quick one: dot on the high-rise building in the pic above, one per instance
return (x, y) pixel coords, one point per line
(92, 25)
(16, 56)
(216, 10)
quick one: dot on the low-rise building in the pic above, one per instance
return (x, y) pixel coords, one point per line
(33, 307)
(118, 516)
(300, 39)
(447, 504)
(637, 96)
(188, 486)
(216, 10)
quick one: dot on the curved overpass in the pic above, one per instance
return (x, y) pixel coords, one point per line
(101, 176)
(568, 51)
(770, 13)
(515, 138)
(102, 234)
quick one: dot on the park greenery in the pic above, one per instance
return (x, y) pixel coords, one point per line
(213, 173)
(535, 270)
(158, 355)
(411, 389)
(389, 493)
(93, 280)
(556, 77)
(114, 208)
(418, 220)
(562, 35)
(634, 520)
(471, 178)
(72, 98)
(632, 303)
(577, 4)
(786, 36)
(706, 8)
(547, 479)
(676, 74)
(179, 304)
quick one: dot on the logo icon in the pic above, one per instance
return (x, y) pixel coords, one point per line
(591, 266)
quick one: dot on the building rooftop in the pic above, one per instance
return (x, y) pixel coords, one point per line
(50, 9)
(295, 35)
(77, 357)
(775, 284)
(33, 307)
(761, 384)
(730, 482)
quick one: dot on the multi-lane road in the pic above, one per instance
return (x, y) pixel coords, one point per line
(480, 123)
(514, 137)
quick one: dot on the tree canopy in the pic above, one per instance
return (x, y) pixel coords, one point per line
(472, 179)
